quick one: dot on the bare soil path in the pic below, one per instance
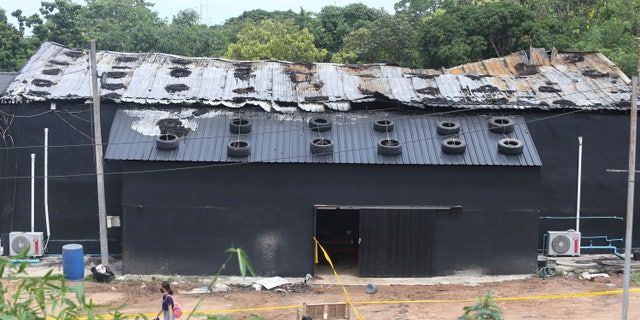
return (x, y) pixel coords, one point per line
(568, 296)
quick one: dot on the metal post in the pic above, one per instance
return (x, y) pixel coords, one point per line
(102, 215)
(579, 183)
(630, 195)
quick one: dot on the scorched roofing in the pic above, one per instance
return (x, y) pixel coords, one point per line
(537, 79)
(286, 138)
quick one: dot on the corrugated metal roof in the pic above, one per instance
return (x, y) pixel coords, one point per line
(540, 79)
(286, 138)
(5, 80)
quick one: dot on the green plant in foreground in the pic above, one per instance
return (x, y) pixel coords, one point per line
(243, 262)
(25, 297)
(483, 309)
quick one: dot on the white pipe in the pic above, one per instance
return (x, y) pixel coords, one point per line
(33, 188)
(46, 183)
(579, 183)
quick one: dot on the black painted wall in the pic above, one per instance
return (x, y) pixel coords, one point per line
(604, 194)
(73, 206)
(182, 221)
(235, 203)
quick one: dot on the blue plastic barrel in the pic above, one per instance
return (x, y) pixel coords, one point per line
(73, 261)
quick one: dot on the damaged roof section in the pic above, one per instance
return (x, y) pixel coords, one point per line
(205, 135)
(538, 79)
(5, 80)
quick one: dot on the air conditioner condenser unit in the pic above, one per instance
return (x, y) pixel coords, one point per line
(19, 241)
(563, 243)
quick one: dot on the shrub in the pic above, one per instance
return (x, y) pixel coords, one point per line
(484, 309)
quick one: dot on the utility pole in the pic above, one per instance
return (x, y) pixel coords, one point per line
(630, 190)
(97, 130)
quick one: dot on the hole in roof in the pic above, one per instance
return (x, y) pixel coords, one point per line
(59, 63)
(38, 93)
(179, 72)
(126, 59)
(52, 71)
(42, 82)
(181, 61)
(74, 53)
(116, 74)
(176, 87)
(172, 126)
(244, 90)
(112, 86)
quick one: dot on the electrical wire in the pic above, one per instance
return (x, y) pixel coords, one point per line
(230, 164)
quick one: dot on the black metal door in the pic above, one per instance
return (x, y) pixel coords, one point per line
(396, 242)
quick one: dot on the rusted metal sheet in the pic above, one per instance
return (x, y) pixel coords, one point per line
(539, 79)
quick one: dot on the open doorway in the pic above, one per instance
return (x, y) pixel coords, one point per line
(338, 232)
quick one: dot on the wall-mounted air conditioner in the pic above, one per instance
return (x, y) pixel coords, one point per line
(19, 241)
(563, 243)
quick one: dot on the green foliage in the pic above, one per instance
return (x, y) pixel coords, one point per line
(468, 33)
(14, 49)
(483, 309)
(275, 39)
(244, 264)
(44, 296)
(421, 33)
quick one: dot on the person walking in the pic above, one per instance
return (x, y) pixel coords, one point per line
(167, 301)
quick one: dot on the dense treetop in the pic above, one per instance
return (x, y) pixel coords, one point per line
(419, 34)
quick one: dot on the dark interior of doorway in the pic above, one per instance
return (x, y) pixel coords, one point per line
(337, 230)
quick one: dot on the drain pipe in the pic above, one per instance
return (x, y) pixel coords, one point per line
(579, 183)
(33, 183)
(46, 186)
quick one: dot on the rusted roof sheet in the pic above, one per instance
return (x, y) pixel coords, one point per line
(539, 79)
(286, 138)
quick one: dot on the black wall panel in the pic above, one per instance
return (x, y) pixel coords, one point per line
(269, 209)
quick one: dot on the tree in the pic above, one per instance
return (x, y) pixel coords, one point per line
(14, 50)
(391, 39)
(275, 39)
(186, 18)
(469, 33)
(61, 22)
(122, 25)
(337, 22)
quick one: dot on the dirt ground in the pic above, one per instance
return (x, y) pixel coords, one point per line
(566, 296)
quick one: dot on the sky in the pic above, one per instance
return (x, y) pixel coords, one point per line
(213, 11)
